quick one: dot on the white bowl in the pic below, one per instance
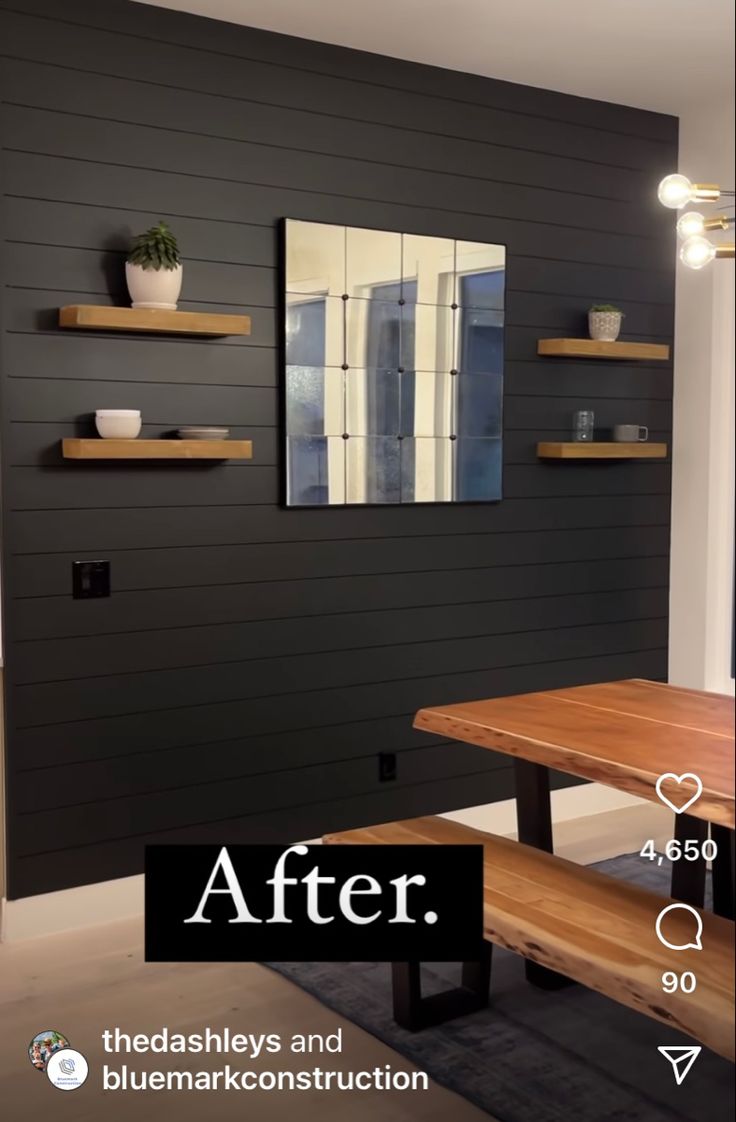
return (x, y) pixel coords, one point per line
(120, 424)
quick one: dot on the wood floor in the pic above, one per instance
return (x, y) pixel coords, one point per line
(85, 981)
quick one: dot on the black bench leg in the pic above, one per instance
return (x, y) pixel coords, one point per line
(406, 981)
(534, 822)
(414, 1012)
(723, 871)
(688, 877)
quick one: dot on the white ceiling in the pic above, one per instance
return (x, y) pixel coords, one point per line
(667, 55)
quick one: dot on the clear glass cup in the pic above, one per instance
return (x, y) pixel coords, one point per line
(583, 423)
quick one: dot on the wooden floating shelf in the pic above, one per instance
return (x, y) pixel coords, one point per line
(601, 450)
(96, 317)
(94, 449)
(595, 348)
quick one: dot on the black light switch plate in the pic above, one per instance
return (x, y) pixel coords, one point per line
(90, 579)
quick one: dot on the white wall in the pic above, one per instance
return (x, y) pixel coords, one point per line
(701, 598)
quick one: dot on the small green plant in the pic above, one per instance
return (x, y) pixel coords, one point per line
(155, 249)
(607, 308)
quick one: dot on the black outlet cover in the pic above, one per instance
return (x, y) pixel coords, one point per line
(90, 579)
(386, 767)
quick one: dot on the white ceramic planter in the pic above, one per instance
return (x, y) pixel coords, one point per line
(153, 288)
(604, 326)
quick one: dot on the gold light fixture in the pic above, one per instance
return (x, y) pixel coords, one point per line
(691, 222)
(696, 251)
(676, 190)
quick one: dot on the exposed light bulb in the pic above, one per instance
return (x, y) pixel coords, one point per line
(690, 223)
(697, 252)
(675, 191)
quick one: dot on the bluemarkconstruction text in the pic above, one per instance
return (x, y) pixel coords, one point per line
(251, 1046)
(228, 1079)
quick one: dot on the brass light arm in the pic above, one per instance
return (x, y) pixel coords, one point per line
(706, 192)
(722, 222)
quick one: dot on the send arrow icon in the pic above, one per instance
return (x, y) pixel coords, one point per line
(682, 1059)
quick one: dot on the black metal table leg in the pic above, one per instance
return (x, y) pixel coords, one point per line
(723, 871)
(533, 806)
(407, 989)
(688, 877)
(534, 822)
(414, 1012)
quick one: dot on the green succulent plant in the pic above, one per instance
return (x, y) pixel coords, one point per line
(607, 308)
(155, 249)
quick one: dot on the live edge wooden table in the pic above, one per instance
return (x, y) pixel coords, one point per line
(624, 735)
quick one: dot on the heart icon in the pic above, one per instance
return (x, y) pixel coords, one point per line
(679, 780)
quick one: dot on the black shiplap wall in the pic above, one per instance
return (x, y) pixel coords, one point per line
(252, 661)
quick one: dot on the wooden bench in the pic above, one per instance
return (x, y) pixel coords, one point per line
(579, 922)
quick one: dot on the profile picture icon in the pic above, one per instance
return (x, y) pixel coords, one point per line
(44, 1045)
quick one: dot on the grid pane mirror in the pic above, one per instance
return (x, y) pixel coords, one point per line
(394, 367)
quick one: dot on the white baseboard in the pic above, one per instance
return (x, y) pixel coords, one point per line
(114, 900)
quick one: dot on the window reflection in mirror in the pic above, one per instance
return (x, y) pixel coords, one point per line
(394, 366)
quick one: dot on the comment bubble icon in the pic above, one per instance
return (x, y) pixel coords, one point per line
(678, 933)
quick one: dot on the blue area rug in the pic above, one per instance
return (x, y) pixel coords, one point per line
(537, 1056)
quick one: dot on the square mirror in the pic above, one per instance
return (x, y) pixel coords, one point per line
(315, 259)
(478, 405)
(373, 334)
(477, 470)
(427, 403)
(478, 345)
(427, 470)
(372, 402)
(315, 331)
(394, 354)
(373, 264)
(315, 401)
(315, 470)
(480, 275)
(373, 469)
(427, 269)
(427, 337)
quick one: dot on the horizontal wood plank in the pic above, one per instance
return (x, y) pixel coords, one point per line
(200, 645)
(48, 574)
(212, 525)
(251, 203)
(146, 811)
(134, 773)
(119, 143)
(73, 90)
(145, 610)
(250, 676)
(155, 729)
(254, 825)
(328, 59)
(392, 104)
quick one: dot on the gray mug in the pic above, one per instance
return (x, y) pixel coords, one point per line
(630, 434)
